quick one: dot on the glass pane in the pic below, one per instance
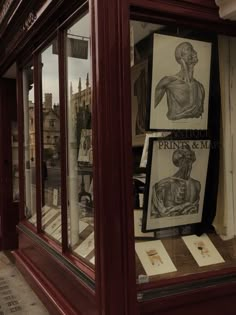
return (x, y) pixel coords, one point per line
(179, 216)
(50, 124)
(29, 143)
(80, 157)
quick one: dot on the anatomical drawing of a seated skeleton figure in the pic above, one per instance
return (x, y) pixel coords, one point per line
(178, 194)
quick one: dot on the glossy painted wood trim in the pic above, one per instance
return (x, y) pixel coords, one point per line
(178, 7)
(191, 13)
(115, 271)
(80, 8)
(188, 279)
(208, 300)
(53, 270)
(20, 117)
(49, 295)
(47, 242)
(63, 137)
(38, 136)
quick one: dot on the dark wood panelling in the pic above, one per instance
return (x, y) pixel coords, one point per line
(115, 274)
(204, 3)
(191, 13)
(217, 300)
(8, 210)
(61, 290)
(56, 285)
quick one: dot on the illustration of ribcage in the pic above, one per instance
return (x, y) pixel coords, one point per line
(180, 192)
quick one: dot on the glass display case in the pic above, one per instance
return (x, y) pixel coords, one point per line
(175, 95)
(179, 156)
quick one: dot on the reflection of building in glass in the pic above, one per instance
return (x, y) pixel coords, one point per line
(51, 128)
(81, 109)
(81, 116)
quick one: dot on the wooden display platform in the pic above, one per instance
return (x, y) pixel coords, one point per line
(185, 263)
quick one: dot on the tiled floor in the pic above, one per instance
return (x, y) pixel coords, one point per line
(16, 297)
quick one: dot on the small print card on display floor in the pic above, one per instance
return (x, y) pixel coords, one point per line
(33, 219)
(82, 226)
(203, 250)
(45, 209)
(48, 216)
(57, 234)
(138, 216)
(54, 224)
(92, 260)
(86, 246)
(154, 258)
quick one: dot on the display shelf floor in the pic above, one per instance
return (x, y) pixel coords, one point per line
(16, 296)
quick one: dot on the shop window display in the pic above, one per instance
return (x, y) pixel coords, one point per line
(176, 104)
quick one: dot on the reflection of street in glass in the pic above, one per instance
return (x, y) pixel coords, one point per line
(154, 257)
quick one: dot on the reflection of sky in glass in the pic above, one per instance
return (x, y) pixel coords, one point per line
(50, 75)
(77, 68)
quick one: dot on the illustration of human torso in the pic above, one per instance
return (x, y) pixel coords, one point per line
(184, 99)
(175, 196)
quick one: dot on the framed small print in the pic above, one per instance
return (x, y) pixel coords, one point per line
(176, 181)
(139, 77)
(180, 83)
(50, 229)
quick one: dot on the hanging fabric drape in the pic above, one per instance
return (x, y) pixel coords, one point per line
(225, 220)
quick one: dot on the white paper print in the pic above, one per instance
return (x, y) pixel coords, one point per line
(54, 224)
(138, 216)
(177, 182)
(203, 250)
(48, 216)
(92, 260)
(86, 246)
(180, 83)
(33, 219)
(154, 258)
(143, 162)
(45, 209)
(57, 234)
(82, 226)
